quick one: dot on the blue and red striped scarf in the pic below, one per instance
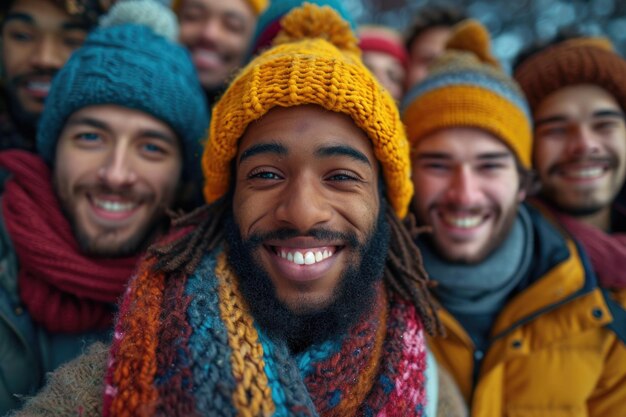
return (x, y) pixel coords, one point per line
(189, 347)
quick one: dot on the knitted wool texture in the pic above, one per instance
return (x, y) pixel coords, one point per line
(467, 88)
(575, 61)
(131, 66)
(258, 6)
(189, 346)
(316, 61)
(269, 23)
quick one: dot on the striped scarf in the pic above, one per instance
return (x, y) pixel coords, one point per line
(189, 347)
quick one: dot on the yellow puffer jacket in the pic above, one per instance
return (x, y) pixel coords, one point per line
(555, 349)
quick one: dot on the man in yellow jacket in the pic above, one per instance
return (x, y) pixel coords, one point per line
(528, 330)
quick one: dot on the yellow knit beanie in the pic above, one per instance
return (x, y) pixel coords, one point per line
(467, 88)
(257, 5)
(315, 60)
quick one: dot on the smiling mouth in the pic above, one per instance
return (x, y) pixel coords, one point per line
(586, 173)
(305, 256)
(462, 221)
(113, 209)
(114, 206)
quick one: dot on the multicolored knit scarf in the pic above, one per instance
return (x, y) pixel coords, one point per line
(64, 290)
(189, 347)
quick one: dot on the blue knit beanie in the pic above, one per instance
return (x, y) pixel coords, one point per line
(269, 21)
(131, 66)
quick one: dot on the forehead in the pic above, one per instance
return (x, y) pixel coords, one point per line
(431, 40)
(461, 143)
(382, 60)
(119, 119)
(303, 129)
(576, 101)
(39, 12)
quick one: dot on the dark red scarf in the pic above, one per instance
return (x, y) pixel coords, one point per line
(606, 251)
(63, 290)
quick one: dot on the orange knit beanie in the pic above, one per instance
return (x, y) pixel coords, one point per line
(315, 60)
(467, 88)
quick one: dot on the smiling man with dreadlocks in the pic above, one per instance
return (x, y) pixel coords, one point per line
(296, 291)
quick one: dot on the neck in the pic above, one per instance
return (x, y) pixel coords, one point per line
(600, 219)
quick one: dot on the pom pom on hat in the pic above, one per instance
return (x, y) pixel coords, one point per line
(269, 23)
(303, 69)
(471, 36)
(467, 88)
(311, 22)
(159, 18)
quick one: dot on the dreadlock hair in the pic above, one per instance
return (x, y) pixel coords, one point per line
(431, 16)
(202, 232)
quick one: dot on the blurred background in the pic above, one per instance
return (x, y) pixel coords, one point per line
(513, 24)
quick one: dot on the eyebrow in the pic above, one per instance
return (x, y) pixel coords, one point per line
(561, 118)
(263, 148)
(155, 134)
(342, 150)
(89, 122)
(151, 133)
(28, 19)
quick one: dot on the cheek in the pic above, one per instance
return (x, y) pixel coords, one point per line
(163, 184)
(13, 58)
(189, 32)
(427, 189)
(543, 153)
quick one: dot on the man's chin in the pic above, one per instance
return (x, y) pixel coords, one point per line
(110, 244)
(578, 208)
(306, 305)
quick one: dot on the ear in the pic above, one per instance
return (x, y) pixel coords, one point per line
(528, 185)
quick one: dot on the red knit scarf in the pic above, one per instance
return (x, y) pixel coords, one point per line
(64, 290)
(606, 251)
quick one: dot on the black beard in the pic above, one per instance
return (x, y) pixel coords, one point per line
(355, 293)
(572, 211)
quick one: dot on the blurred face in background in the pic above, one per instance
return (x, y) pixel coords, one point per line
(388, 71)
(217, 34)
(425, 48)
(580, 149)
(38, 37)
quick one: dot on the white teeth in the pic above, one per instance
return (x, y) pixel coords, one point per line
(586, 173)
(464, 222)
(208, 56)
(39, 86)
(309, 257)
(114, 206)
(298, 259)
